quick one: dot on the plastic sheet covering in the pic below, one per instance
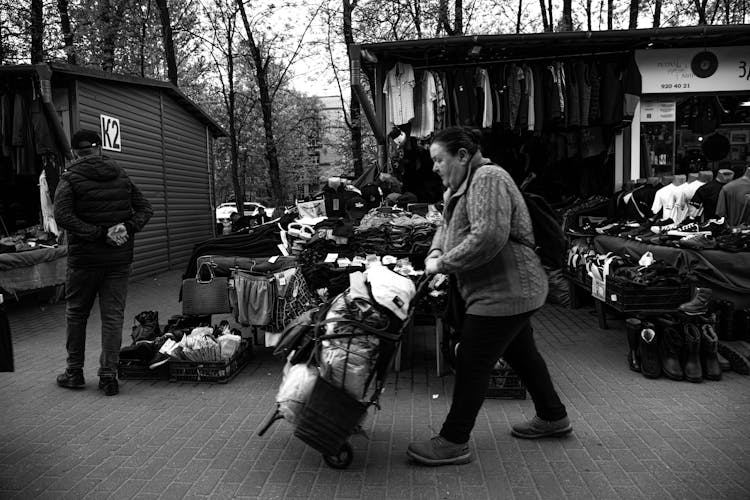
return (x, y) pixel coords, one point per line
(295, 389)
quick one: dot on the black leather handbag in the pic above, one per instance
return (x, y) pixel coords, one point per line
(205, 296)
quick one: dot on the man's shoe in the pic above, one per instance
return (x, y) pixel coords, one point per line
(737, 361)
(439, 451)
(109, 386)
(699, 303)
(538, 428)
(71, 379)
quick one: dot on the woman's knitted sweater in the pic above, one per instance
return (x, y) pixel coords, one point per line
(485, 220)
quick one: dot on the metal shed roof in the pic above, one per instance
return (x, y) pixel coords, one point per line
(450, 51)
(95, 74)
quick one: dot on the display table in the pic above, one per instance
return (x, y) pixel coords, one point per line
(726, 273)
(33, 269)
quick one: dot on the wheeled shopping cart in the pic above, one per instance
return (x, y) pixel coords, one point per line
(331, 414)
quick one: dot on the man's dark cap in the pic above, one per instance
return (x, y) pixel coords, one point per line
(85, 138)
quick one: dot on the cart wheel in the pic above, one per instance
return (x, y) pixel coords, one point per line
(343, 459)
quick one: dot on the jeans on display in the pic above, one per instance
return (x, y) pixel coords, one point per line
(81, 288)
(484, 339)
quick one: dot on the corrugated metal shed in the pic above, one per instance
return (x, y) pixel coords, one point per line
(166, 141)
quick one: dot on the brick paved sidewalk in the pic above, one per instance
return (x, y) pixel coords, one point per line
(633, 437)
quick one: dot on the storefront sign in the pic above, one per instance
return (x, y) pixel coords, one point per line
(700, 69)
(657, 110)
(111, 139)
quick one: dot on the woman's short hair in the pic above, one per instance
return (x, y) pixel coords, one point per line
(455, 138)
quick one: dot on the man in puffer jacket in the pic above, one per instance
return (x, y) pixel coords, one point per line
(101, 209)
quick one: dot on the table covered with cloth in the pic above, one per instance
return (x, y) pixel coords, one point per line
(33, 269)
(718, 269)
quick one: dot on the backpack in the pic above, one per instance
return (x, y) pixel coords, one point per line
(551, 244)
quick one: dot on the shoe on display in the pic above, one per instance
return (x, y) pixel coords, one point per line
(693, 370)
(439, 451)
(716, 226)
(650, 362)
(671, 344)
(109, 386)
(71, 379)
(537, 428)
(633, 330)
(737, 361)
(160, 359)
(699, 303)
(698, 241)
(709, 353)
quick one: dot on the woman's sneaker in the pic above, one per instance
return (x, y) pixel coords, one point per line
(71, 379)
(538, 428)
(109, 386)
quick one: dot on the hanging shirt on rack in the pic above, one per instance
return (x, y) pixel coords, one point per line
(399, 89)
(465, 97)
(539, 97)
(483, 80)
(595, 115)
(513, 77)
(584, 91)
(573, 107)
(440, 104)
(529, 78)
(425, 95)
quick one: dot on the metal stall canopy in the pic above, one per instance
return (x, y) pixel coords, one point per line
(449, 52)
(160, 137)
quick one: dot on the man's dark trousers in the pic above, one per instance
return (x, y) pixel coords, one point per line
(82, 287)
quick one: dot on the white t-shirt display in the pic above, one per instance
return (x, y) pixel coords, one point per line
(399, 89)
(424, 114)
(673, 202)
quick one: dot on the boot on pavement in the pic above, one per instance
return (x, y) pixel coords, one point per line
(709, 353)
(650, 362)
(670, 347)
(633, 329)
(693, 371)
(699, 303)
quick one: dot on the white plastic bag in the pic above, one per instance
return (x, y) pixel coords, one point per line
(295, 389)
(229, 343)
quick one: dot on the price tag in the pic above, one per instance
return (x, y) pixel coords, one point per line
(283, 249)
(273, 259)
(331, 257)
(598, 289)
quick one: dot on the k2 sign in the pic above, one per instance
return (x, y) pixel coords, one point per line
(111, 139)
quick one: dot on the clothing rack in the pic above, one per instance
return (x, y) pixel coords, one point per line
(525, 59)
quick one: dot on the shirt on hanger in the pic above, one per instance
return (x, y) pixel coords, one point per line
(530, 93)
(399, 89)
(425, 95)
(484, 84)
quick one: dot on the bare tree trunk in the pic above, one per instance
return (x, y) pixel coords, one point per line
(701, 8)
(166, 34)
(37, 32)
(355, 112)
(459, 24)
(657, 13)
(239, 188)
(110, 19)
(549, 16)
(633, 24)
(416, 14)
(567, 16)
(261, 74)
(545, 22)
(518, 19)
(588, 14)
(610, 13)
(727, 16)
(142, 50)
(62, 8)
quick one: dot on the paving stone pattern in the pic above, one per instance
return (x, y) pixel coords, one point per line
(633, 437)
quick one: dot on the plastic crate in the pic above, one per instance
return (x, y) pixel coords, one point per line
(214, 372)
(130, 369)
(328, 419)
(644, 298)
(506, 384)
